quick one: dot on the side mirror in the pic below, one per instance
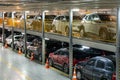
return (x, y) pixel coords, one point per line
(64, 19)
(39, 18)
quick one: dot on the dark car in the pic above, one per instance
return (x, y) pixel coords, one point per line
(97, 68)
(61, 58)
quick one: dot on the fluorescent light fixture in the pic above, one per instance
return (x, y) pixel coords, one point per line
(47, 39)
(46, 10)
(27, 11)
(85, 47)
(75, 9)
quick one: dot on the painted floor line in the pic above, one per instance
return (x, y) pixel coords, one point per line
(15, 69)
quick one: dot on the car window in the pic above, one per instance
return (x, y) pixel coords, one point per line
(18, 37)
(110, 66)
(90, 17)
(57, 52)
(95, 17)
(100, 64)
(57, 18)
(105, 17)
(30, 16)
(91, 62)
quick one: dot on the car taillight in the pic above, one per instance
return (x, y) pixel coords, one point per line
(114, 76)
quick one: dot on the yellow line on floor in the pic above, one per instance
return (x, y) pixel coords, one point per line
(62, 73)
(15, 69)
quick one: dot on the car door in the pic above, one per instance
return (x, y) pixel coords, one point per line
(95, 24)
(98, 70)
(55, 56)
(63, 58)
(87, 23)
(57, 23)
(61, 26)
(88, 69)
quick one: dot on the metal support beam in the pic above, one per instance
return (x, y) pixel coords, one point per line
(118, 46)
(43, 38)
(70, 44)
(12, 45)
(25, 35)
(3, 29)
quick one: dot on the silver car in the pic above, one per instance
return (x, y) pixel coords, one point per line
(100, 24)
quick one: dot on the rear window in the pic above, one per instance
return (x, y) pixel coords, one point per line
(110, 66)
(105, 17)
(78, 54)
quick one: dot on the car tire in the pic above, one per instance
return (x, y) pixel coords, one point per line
(65, 68)
(79, 75)
(53, 28)
(103, 33)
(40, 58)
(16, 48)
(50, 62)
(66, 30)
(22, 49)
(28, 54)
(82, 31)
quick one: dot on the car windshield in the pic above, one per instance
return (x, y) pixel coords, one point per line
(49, 16)
(30, 16)
(74, 18)
(106, 17)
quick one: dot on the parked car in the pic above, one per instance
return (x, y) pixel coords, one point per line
(36, 48)
(20, 21)
(37, 23)
(61, 24)
(21, 42)
(61, 58)
(50, 46)
(9, 39)
(100, 24)
(97, 68)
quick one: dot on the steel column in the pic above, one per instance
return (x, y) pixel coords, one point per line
(70, 44)
(25, 35)
(43, 38)
(12, 31)
(3, 29)
(118, 46)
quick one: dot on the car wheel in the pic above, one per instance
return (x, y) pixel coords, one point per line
(16, 48)
(79, 75)
(66, 30)
(82, 31)
(23, 50)
(28, 54)
(65, 68)
(40, 58)
(50, 62)
(103, 34)
(53, 28)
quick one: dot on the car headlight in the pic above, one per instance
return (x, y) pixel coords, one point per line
(18, 21)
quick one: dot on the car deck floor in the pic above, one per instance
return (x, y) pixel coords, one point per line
(16, 67)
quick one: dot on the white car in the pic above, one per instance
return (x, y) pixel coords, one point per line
(16, 37)
(100, 24)
(61, 24)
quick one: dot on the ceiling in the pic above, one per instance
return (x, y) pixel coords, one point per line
(21, 5)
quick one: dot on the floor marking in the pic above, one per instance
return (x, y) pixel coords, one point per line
(15, 69)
